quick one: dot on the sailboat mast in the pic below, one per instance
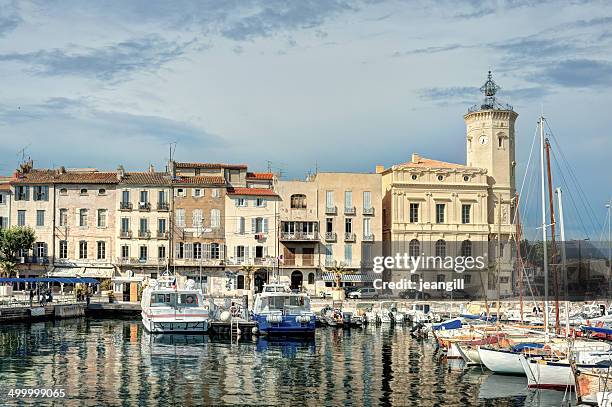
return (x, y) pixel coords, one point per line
(544, 237)
(518, 254)
(553, 248)
(499, 253)
(564, 270)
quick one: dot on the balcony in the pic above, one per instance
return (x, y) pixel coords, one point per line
(351, 211)
(368, 211)
(163, 206)
(162, 235)
(144, 234)
(350, 237)
(299, 236)
(331, 210)
(125, 234)
(125, 206)
(331, 236)
(144, 206)
(34, 260)
(368, 238)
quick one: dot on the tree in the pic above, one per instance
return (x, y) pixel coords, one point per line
(338, 271)
(249, 271)
(12, 241)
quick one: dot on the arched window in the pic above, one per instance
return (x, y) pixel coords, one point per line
(441, 248)
(298, 201)
(466, 248)
(311, 277)
(414, 248)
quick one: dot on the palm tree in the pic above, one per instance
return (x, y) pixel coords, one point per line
(249, 271)
(338, 271)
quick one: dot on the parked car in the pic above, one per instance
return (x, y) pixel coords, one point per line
(456, 294)
(363, 292)
(414, 295)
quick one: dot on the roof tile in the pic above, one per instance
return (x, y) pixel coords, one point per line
(260, 176)
(210, 165)
(200, 180)
(251, 191)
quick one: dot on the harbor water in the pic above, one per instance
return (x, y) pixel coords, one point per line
(114, 362)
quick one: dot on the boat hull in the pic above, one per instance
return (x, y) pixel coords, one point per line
(469, 354)
(501, 361)
(159, 326)
(543, 374)
(288, 325)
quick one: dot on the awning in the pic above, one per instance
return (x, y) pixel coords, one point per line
(61, 280)
(97, 272)
(352, 278)
(66, 271)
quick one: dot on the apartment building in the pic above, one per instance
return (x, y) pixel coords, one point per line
(5, 201)
(142, 226)
(251, 225)
(328, 220)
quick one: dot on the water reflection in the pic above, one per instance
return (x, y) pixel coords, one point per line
(114, 362)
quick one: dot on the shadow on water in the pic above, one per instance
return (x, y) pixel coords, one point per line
(114, 362)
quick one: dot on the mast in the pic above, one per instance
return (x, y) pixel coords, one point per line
(544, 237)
(563, 268)
(518, 254)
(553, 249)
(499, 252)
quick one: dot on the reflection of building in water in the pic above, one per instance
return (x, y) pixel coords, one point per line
(439, 208)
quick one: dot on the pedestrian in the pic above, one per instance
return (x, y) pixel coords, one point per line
(31, 297)
(87, 297)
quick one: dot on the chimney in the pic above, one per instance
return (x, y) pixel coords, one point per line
(151, 169)
(120, 172)
(415, 158)
(380, 169)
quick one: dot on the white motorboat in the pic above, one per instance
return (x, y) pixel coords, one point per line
(501, 361)
(168, 309)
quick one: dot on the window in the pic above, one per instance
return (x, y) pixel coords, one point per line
(3, 222)
(125, 197)
(240, 225)
(161, 225)
(84, 191)
(197, 250)
(466, 178)
(467, 278)
(40, 218)
(440, 209)
(125, 225)
(82, 249)
(298, 201)
(83, 217)
(241, 202)
(260, 202)
(259, 225)
(21, 215)
(41, 249)
(143, 253)
(41, 193)
(466, 209)
(196, 218)
(63, 191)
(215, 251)
(367, 200)
(367, 227)
(348, 199)
(440, 178)
(144, 226)
(144, 197)
(329, 199)
(101, 250)
(2, 199)
(101, 218)
(215, 218)
(180, 218)
(414, 177)
(329, 225)
(63, 217)
(414, 213)
(63, 249)
(240, 282)
(329, 254)
(414, 248)
(240, 252)
(348, 225)
(22, 193)
(214, 192)
(311, 278)
(348, 253)
(466, 248)
(500, 142)
(161, 198)
(101, 191)
(180, 192)
(161, 252)
(440, 248)
(125, 252)
(197, 192)
(259, 252)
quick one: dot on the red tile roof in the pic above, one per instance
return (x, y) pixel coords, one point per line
(267, 176)
(146, 178)
(200, 180)
(68, 177)
(5, 186)
(210, 165)
(251, 191)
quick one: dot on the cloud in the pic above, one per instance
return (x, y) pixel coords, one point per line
(9, 17)
(577, 73)
(429, 50)
(446, 93)
(111, 62)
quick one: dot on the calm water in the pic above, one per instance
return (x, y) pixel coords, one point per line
(115, 363)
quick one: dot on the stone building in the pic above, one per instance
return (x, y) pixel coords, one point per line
(433, 207)
(5, 202)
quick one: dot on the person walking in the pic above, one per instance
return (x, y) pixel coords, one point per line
(31, 297)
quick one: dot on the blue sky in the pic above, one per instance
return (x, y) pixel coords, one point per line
(333, 84)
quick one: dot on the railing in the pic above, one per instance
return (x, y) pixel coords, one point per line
(350, 210)
(331, 236)
(349, 237)
(368, 211)
(144, 206)
(330, 262)
(125, 206)
(125, 234)
(163, 206)
(33, 260)
(289, 262)
(141, 260)
(368, 238)
(162, 235)
(331, 210)
(299, 236)
(144, 234)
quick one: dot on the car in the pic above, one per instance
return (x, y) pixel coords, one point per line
(456, 294)
(414, 295)
(363, 292)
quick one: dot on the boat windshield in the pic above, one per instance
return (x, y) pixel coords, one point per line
(163, 299)
(285, 302)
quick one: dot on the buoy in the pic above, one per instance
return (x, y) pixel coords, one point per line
(225, 316)
(254, 330)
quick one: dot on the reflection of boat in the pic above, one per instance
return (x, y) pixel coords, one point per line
(289, 347)
(277, 310)
(496, 386)
(166, 308)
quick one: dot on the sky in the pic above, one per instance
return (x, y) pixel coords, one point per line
(333, 85)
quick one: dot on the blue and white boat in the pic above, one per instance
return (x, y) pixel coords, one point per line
(279, 311)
